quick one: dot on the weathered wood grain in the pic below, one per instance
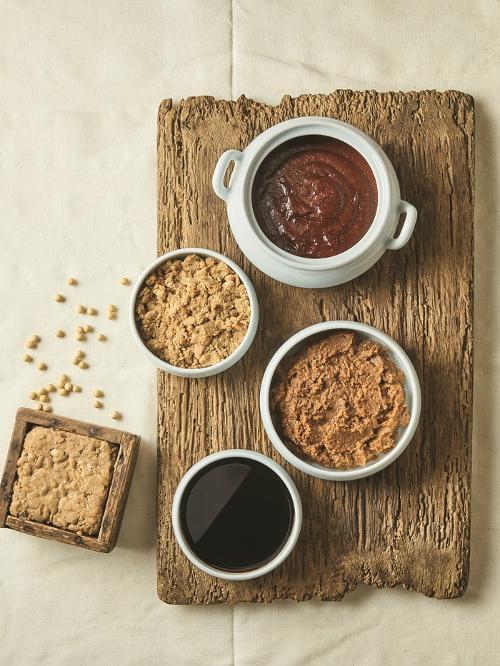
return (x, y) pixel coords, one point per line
(119, 489)
(118, 492)
(408, 525)
(10, 469)
(56, 534)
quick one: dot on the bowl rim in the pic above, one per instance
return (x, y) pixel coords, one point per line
(280, 557)
(401, 359)
(236, 355)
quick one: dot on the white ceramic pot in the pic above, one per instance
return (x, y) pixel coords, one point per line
(412, 391)
(294, 532)
(300, 271)
(243, 347)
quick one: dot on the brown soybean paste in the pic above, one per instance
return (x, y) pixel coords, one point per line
(314, 196)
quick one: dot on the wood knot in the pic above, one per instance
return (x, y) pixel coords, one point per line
(78, 540)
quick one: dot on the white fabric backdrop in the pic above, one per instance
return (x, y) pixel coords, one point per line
(80, 82)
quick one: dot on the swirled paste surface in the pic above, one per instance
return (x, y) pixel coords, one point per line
(314, 196)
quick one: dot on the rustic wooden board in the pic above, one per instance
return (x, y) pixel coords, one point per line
(408, 525)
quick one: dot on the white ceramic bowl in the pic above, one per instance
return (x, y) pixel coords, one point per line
(294, 532)
(300, 271)
(196, 373)
(412, 390)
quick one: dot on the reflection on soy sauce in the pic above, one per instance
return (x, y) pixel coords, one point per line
(236, 514)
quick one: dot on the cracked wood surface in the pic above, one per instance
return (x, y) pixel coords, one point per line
(410, 524)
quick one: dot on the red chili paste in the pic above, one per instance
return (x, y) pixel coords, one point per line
(314, 196)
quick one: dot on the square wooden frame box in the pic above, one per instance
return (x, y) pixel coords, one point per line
(128, 447)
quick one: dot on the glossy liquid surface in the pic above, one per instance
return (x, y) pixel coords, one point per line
(236, 514)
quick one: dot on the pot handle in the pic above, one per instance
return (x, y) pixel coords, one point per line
(220, 169)
(407, 228)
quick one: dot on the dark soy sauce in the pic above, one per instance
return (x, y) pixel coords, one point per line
(236, 514)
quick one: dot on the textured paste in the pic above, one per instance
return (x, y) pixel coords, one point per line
(314, 196)
(341, 401)
(63, 480)
(193, 312)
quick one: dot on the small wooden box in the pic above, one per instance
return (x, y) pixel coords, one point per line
(128, 446)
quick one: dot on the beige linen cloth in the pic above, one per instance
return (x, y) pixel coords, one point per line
(80, 83)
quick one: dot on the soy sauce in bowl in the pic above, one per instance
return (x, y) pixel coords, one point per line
(236, 514)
